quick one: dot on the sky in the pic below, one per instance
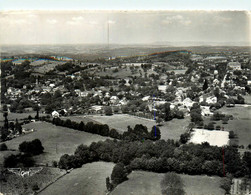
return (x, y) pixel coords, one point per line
(125, 27)
(126, 4)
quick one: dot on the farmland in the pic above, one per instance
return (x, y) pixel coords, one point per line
(56, 140)
(13, 116)
(170, 130)
(240, 124)
(90, 179)
(47, 66)
(148, 183)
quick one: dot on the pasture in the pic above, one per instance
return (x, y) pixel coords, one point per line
(46, 67)
(13, 116)
(148, 183)
(55, 140)
(90, 179)
(170, 129)
(240, 124)
(214, 137)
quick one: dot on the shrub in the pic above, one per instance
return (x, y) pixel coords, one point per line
(119, 174)
(34, 147)
(10, 161)
(54, 163)
(35, 187)
(218, 127)
(231, 135)
(3, 147)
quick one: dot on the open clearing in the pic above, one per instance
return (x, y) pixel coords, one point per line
(170, 130)
(56, 140)
(89, 180)
(214, 137)
(148, 183)
(13, 116)
(240, 124)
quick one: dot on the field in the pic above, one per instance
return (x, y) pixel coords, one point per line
(148, 183)
(214, 138)
(13, 116)
(48, 66)
(79, 118)
(170, 130)
(56, 140)
(89, 180)
(240, 124)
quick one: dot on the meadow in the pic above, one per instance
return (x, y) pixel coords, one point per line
(169, 130)
(55, 140)
(240, 124)
(89, 179)
(148, 183)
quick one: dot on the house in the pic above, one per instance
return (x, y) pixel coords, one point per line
(208, 99)
(205, 111)
(114, 100)
(187, 103)
(146, 98)
(55, 114)
(234, 65)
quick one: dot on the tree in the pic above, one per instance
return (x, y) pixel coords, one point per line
(184, 138)
(6, 123)
(155, 133)
(36, 108)
(3, 147)
(108, 111)
(109, 185)
(10, 161)
(172, 184)
(226, 184)
(119, 174)
(34, 147)
(205, 85)
(18, 127)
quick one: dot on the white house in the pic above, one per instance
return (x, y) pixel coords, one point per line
(55, 114)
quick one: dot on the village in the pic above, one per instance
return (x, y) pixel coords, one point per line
(190, 96)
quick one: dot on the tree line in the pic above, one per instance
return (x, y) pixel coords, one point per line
(162, 156)
(139, 132)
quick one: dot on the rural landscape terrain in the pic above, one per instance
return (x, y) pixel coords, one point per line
(135, 120)
(125, 102)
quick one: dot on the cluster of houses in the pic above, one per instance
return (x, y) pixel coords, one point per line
(204, 63)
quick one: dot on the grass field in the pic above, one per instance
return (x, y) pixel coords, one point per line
(170, 130)
(48, 66)
(13, 116)
(79, 118)
(56, 140)
(148, 183)
(88, 180)
(240, 124)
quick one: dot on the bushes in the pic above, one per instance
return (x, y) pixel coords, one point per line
(34, 147)
(184, 138)
(119, 174)
(3, 147)
(231, 135)
(19, 160)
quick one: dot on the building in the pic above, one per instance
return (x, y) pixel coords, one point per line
(234, 65)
